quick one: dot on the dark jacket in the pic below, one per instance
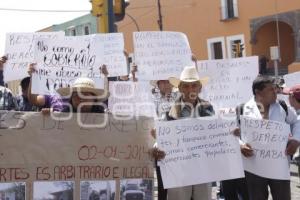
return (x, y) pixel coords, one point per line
(204, 109)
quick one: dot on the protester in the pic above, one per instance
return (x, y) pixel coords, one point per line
(3, 59)
(294, 99)
(7, 99)
(190, 105)
(164, 95)
(84, 97)
(22, 100)
(264, 105)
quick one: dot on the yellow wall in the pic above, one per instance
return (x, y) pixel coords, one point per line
(199, 19)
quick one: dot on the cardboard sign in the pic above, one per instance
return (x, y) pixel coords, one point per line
(131, 98)
(228, 84)
(61, 62)
(19, 49)
(203, 148)
(114, 57)
(84, 147)
(268, 139)
(160, 55)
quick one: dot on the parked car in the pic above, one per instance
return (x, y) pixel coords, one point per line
(133, 192)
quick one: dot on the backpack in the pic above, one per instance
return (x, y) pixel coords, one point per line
(240, 109)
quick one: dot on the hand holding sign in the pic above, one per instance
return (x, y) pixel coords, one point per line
(247, 150)
(292, 146)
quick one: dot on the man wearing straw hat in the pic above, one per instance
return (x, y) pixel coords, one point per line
(190, 105)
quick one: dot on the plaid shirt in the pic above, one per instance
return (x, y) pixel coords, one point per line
(7, 100)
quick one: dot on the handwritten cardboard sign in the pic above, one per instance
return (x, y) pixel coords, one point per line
(38, 148)
(160, 55)
(268, 140)
(114, 57)
(228, 84)
(203, 148)
(61, 62)
(19, 49)
(131, 98)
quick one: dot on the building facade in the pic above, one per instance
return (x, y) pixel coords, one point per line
(214, 27)
(84, 25)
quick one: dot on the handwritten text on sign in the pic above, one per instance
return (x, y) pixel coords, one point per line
(160, 55)
(268, 140)
(204, 148)
(34, 147)
(19, 50)
(132, 98)
(114, 57)
(60, 62)
(228, 84)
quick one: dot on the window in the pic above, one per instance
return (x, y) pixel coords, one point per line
(236, 46)
(71, 31)
(216, 48)
(86, 29)
(229, 9)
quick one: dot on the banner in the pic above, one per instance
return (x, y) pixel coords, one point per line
(160, 55)
(268, 139)
(198, 151)
(19, 49)
(131, 98)
(228, 84)
(86, 147)
(61, 62)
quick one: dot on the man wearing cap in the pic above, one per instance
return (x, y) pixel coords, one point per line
(190, 105)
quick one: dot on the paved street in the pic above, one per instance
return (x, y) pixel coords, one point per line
(295, 183)
(295, 186)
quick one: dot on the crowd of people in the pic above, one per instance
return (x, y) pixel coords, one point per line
(178, 98)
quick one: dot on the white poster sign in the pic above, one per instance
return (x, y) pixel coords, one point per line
(160, 55)
(19, 49)
(204, 149)
(131, 98)
(114, 57)
(229, 85)
(61, 62)
(268, 139)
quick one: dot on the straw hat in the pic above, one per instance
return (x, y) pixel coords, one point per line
(82, 85)
(189, 74)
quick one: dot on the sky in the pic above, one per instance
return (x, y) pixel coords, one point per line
(16, 21)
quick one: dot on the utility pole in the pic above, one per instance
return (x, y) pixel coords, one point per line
(159, 21)
(111, 16)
